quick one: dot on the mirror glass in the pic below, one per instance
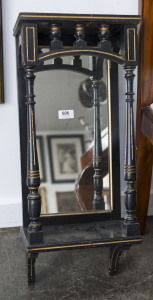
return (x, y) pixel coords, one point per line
(65, 133)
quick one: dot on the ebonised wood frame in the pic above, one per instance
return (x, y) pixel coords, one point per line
(113, 38)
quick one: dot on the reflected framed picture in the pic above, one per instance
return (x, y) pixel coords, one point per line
(44, 209)
(41, 158)
(65, 152)
(67, 202)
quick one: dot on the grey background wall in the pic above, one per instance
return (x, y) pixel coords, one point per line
(10, 173)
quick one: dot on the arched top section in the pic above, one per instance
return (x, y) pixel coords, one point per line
(88, 51)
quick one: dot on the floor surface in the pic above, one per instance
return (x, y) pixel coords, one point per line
(76, 274)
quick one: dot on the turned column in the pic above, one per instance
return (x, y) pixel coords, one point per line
(98, 201)
(130, 221)
(33, 177)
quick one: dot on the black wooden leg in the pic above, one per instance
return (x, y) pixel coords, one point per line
(115, 253)
(31, 258)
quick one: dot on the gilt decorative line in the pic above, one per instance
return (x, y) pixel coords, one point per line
(103, 28)
(85, 245)
(129, 168)
(110, 130)
(128, 44)
(27, 44)
(28, 135)
(126, 136)
(110, 261)
(129, 171)
(33, 172)
(30, 70)
(34, 196)
(22, 46)
(119, 253)
(130, 181)
(82, 50)
(33, 141)
(79, 17)
(131, 135)
(32, 177)
(55, 28)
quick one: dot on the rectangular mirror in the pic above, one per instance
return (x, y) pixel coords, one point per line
(65, 134)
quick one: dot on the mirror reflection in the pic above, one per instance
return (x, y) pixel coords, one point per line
(65, 128)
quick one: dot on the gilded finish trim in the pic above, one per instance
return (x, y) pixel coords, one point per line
(82, 50)
(129, 70)
(103, 28)
(33, 171)
(84, 245)
(22, 47)
(78, 213)
(110, 261)
(30, 70)
(110, 132)
(128, 44)
(27, 44)
(80, 17)
(129, 171)
(33, 196)
(55, 28)
(126, 135)
(33, 140)
(129, 166)
(130, 181)
(79, 27)
(28, 139)
(117, 256)
(76, 17)
(131, 134)
(95, 80)
(32, 177)
(97, 160)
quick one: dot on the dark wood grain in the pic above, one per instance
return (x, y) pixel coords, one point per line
(144, 148)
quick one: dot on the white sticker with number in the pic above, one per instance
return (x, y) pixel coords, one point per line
(66, 114)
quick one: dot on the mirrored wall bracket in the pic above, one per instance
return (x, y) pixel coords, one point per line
(109, 38)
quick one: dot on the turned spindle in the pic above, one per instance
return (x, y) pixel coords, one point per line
(55, 35)
(33, 177)
(104, 36)
(80, 36)
(98, 201)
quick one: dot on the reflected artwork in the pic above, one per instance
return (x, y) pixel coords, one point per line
(73, 160)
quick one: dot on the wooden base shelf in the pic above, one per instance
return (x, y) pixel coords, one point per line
(76, 236)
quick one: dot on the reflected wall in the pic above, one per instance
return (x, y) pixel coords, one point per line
(65, 126)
